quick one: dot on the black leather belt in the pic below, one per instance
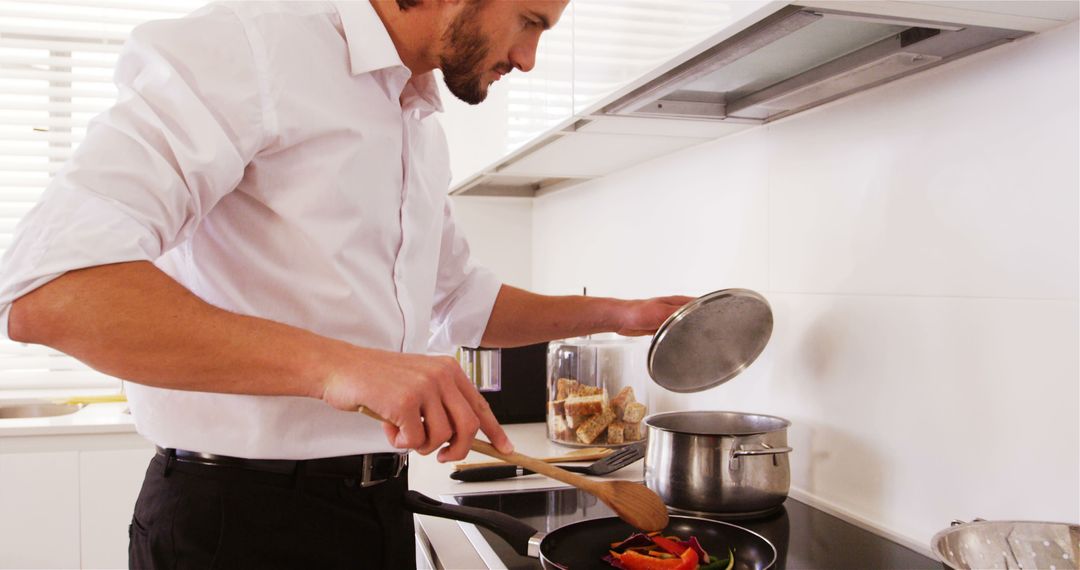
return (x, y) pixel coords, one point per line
(369, 469)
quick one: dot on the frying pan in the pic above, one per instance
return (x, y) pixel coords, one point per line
(582, 545)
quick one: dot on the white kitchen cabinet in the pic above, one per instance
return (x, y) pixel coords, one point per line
(109, 483)
(39, 501)
(423, 554)
(66, 499)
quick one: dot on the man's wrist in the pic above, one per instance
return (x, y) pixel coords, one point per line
(320, 366)
(612, 315)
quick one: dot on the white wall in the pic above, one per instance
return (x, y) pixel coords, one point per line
(919, 243)
(499, 231)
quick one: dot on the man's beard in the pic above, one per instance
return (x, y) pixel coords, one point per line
(467, 49)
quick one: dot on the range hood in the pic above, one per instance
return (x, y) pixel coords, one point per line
(777, 61)
(798, 58)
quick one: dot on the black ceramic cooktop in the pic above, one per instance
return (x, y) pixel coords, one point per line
(805, 538)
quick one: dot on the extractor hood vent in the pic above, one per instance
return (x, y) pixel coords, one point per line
(799, 58)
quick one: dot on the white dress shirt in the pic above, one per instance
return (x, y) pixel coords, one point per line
(280, 161)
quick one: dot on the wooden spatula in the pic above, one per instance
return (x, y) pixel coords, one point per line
(635, 503)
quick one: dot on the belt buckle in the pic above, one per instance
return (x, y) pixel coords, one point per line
(368, 466)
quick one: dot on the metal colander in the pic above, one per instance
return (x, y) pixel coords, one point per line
(1012, 545)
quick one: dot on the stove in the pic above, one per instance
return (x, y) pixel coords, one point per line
(805, 538)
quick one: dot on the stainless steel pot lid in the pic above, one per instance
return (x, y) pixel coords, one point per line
(710, 340)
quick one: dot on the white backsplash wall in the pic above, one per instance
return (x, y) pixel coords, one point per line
(499, 231)
(919, 243)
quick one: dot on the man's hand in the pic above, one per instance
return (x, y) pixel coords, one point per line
(638, 318)
(428, 400)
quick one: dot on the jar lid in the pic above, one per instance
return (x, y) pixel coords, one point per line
(710, 340)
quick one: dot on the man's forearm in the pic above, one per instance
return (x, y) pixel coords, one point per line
(520, 317)
(132, 321)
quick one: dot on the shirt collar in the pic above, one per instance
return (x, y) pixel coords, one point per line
(371, 49)
(370, 46)
(426, 90)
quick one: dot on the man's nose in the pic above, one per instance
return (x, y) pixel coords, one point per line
(523, 57)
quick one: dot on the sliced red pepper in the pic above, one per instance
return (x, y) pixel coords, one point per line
(689, 560)
(634, 561)
(615, 560)
(669, 545)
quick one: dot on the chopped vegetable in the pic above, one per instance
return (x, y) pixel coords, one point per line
(632, 560)
(689, 560)
(703, 556)
(669, 545)
(654, 551)
(720, 563)
(635, 540)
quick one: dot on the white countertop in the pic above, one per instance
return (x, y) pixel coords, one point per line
(428, 476)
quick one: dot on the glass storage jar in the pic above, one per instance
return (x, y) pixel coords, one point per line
(596, 390)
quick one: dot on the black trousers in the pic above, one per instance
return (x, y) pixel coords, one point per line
(198, 516)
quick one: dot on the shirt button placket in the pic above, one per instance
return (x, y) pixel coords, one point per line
(402, 296)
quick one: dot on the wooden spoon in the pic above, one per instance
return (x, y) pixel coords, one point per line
(583, 454)
(635, 503)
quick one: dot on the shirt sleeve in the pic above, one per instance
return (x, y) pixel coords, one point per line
(189, 117)
(464, 292)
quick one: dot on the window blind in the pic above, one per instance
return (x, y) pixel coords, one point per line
(56, 64)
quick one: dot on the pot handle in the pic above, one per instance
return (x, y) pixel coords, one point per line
(524, 539)
(738, 451)
(764, 451)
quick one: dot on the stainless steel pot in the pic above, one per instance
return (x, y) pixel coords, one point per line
(718, 463)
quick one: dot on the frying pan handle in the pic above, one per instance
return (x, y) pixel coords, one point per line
(517, 534)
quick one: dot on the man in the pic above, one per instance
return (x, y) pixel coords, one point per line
(257, 236)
